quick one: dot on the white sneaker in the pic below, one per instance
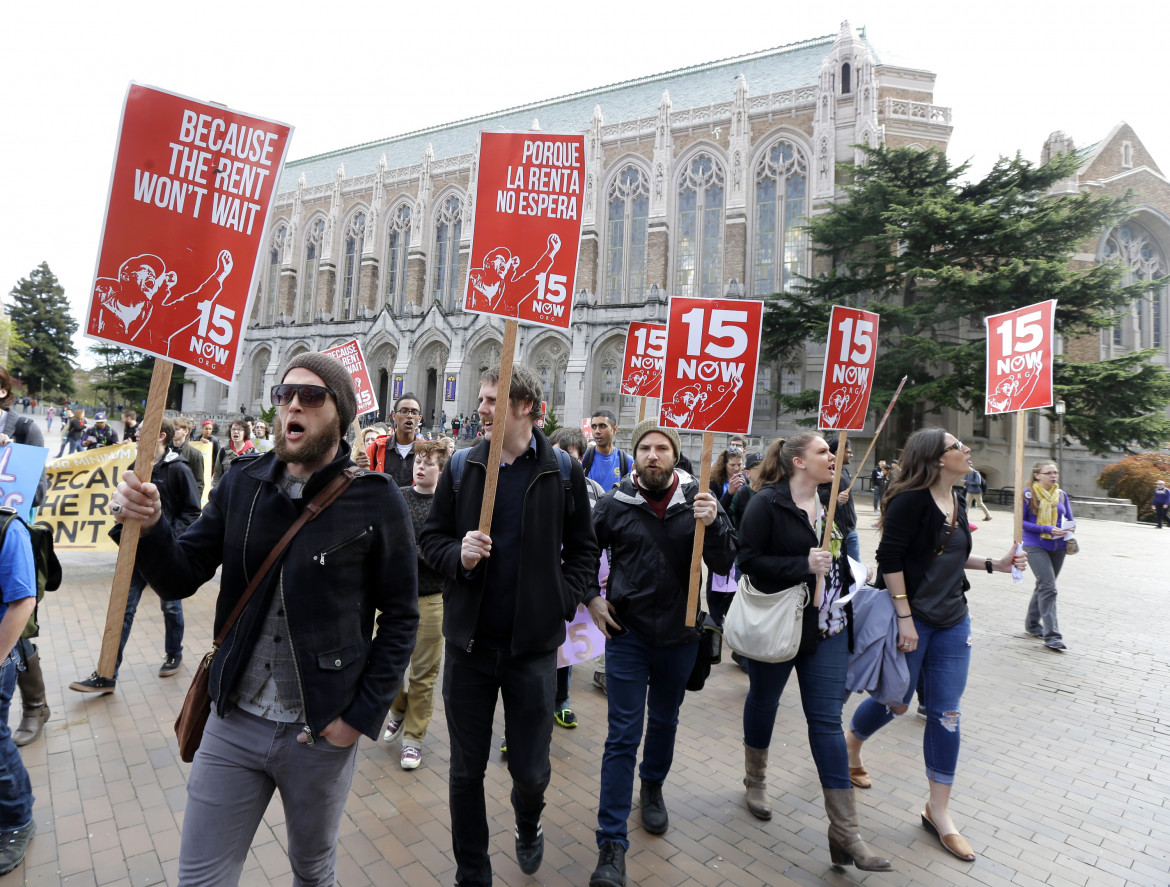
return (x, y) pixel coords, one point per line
(411, 757)
(393, 729)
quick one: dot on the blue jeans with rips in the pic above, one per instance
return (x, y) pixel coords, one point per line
(821, 675)
(942, 659)
(16, 797)
(643, 683)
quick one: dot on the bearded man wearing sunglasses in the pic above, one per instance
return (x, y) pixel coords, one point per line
(298, 679)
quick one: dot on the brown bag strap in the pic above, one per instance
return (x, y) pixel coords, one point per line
(320, 502)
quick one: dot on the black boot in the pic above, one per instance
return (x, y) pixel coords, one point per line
(32, 696)
(611, 866)
(654, 817)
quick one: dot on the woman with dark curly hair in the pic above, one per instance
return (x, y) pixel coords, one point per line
(924, 550)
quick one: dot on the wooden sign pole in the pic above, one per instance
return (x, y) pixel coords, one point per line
(499, 422)
(156, 401)
(1018, 504)
(700, 532)
(831, 512)
(877, 433)
(642, 408)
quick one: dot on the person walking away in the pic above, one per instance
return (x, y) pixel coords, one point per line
(973, 486)
(410, 712)
(179, 497)
(878, 479)
(780, 538)
(507, 598)
(1161, 501)
(1048, 520)
(924, 550)
(648, 525)
(318, 652)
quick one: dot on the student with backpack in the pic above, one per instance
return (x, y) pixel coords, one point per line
(604, 462)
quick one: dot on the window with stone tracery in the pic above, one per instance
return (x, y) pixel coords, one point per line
(272, 285)
(397, 244)
(308, 288)
(699, 243)
(552, 364)
(625, 236)
(351, 272)
(608, 376)
(448, 230)
(1142, 258)
(780, 250)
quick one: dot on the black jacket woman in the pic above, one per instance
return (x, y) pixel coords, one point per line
(780, 538)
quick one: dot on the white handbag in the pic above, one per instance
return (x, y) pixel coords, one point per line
(766, 627)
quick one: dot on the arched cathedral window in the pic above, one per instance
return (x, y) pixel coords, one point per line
(272, 285)
(845, 79)
(781, 202)
(351, 274)
(448, 230)
(625, 259)
(699, 262)
(308, 295)
(1142, 258)
(397, 243)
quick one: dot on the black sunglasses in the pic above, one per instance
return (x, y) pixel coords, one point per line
(309, 395)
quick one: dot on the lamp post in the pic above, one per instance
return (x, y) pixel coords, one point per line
(1059, 409)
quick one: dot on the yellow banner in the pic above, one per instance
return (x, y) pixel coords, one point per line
(78, 502)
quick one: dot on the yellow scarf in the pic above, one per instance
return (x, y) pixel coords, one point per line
(1046, 504)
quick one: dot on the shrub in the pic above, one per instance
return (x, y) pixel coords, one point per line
(1133, 478)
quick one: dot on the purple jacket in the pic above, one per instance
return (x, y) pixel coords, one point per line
(1032, 530)
(1162, 496)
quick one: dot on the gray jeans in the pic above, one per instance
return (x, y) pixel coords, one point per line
(241, 761)
(1041, 618)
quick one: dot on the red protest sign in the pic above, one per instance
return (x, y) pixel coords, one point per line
(847, 378)
(644, 359)
(1019, 358)
(709, 380)
(351, 357)
(527, 228)
(191, 191)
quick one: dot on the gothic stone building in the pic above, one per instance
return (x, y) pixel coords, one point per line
(698, 181)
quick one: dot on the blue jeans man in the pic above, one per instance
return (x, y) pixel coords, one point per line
(172, 617)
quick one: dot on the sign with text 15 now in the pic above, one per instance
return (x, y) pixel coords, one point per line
(190, 194)
(1019, 358)
(847, 378)
(644, 359)
(712, 351)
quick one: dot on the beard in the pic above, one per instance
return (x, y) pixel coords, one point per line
(656, 478)
(311, 448)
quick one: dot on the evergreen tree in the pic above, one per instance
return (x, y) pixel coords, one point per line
(127, 376)
(934, 256)
(40, 316)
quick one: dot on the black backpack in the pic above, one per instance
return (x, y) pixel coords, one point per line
(623, 463)
(47, 566)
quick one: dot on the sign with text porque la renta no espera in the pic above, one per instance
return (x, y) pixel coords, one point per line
(1019, 358)
(712, 349)
(190, 194)
(644, 359)
(351, 357)
(847, 376)
(527, 229)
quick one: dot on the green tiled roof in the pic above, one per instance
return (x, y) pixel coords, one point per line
(772, 70)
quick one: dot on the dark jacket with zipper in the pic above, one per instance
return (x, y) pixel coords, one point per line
(560, 560)
(646, 572)
(911, 526)
(775, 538)
(347, 581)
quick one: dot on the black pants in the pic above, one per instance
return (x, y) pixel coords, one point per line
(471, 684)
(1160, 511)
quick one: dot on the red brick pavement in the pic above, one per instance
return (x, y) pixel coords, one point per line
(1064, 774)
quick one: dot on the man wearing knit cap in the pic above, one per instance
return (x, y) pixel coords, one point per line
(647, 523)
(319, 650)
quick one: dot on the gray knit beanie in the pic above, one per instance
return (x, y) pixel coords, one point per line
(336, 378)
(646, 426)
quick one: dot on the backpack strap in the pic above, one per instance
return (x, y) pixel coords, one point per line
(624, 462)
(455, 465)
(587, 462)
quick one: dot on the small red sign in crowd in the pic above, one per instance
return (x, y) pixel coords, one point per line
(527, 230)
(847, 377)
(644, 360)
(190, 194)
(709, 379)
(351, 357)
(1019, 358)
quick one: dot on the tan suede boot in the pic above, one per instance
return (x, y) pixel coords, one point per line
(845, 844)
(756, 768)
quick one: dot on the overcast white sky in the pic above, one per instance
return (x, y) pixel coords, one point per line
(349, 72)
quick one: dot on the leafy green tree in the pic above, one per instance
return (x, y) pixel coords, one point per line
(934, 255)
(42, 322)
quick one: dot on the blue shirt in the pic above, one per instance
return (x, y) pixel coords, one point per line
(18, 571)
(607, 470)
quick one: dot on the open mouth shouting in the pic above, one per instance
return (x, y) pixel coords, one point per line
(294, 431)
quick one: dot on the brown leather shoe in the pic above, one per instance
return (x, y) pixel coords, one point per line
(859, 776)
(954, 843)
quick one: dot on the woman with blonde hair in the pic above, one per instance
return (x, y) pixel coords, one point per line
(779, 546)
(924, 550)
(1048, 520)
